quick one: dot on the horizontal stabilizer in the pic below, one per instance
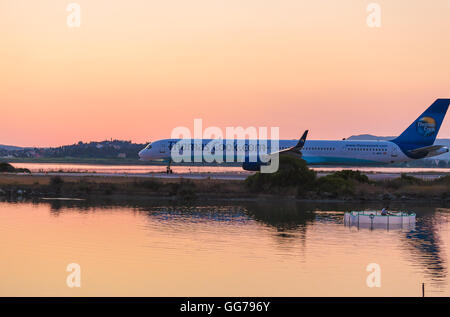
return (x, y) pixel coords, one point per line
(427, 149)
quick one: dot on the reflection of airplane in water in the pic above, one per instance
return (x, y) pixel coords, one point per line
(424, 242)
(291, 221)
(416, 142)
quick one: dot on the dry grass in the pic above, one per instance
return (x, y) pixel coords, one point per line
(424, 190)
(8, 179)
(100, 185)
(110, 185)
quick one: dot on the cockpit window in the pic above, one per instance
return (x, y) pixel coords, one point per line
(148, 147)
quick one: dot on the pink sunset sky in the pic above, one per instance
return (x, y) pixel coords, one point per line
(136, 69)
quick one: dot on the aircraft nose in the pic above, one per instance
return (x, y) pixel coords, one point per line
(141, 154)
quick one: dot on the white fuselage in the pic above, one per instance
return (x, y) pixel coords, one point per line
(317, 152)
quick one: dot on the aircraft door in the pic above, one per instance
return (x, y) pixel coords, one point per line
(162, 148)
(394, 152)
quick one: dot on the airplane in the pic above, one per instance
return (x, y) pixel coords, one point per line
(416, 142)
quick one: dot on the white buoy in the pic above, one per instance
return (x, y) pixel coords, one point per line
(374, 219)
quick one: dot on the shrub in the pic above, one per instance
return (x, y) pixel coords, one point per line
(341, 182)
(410, 180)
(292, 172)
(403, 180)
(56, 181)
(354, 175)
(84, 187)
(442, 180)
(335, 185)
(185, 190)
(148, 184)
(22, 170)
(108, 189)
(8, 168)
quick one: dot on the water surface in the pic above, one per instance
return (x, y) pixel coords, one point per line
(149, 248)
(145, 169)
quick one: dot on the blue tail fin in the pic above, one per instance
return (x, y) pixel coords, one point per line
(424, 129)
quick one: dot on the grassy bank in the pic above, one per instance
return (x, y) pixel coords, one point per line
(93, 186)
(347, 185)
(296, 179)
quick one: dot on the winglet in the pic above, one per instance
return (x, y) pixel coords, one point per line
(302, 141)
(295, 149)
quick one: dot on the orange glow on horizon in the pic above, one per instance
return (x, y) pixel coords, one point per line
(135, 70)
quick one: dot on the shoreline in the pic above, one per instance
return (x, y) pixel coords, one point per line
(135, 162)
(207, 189)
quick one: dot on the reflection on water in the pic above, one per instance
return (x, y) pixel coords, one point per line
(144, 169)
(426, 243)
(125, 169)
(151, 248)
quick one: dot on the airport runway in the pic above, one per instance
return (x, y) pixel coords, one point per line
(225, 176)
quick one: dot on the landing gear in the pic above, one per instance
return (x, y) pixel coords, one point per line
(168, 169)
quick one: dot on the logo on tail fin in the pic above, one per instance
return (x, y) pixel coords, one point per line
(426, 126)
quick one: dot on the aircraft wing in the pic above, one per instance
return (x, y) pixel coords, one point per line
(295, 150)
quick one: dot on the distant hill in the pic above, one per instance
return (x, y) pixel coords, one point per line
(108, 149)
(10, 147)
(445, 142)
(370, 137)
